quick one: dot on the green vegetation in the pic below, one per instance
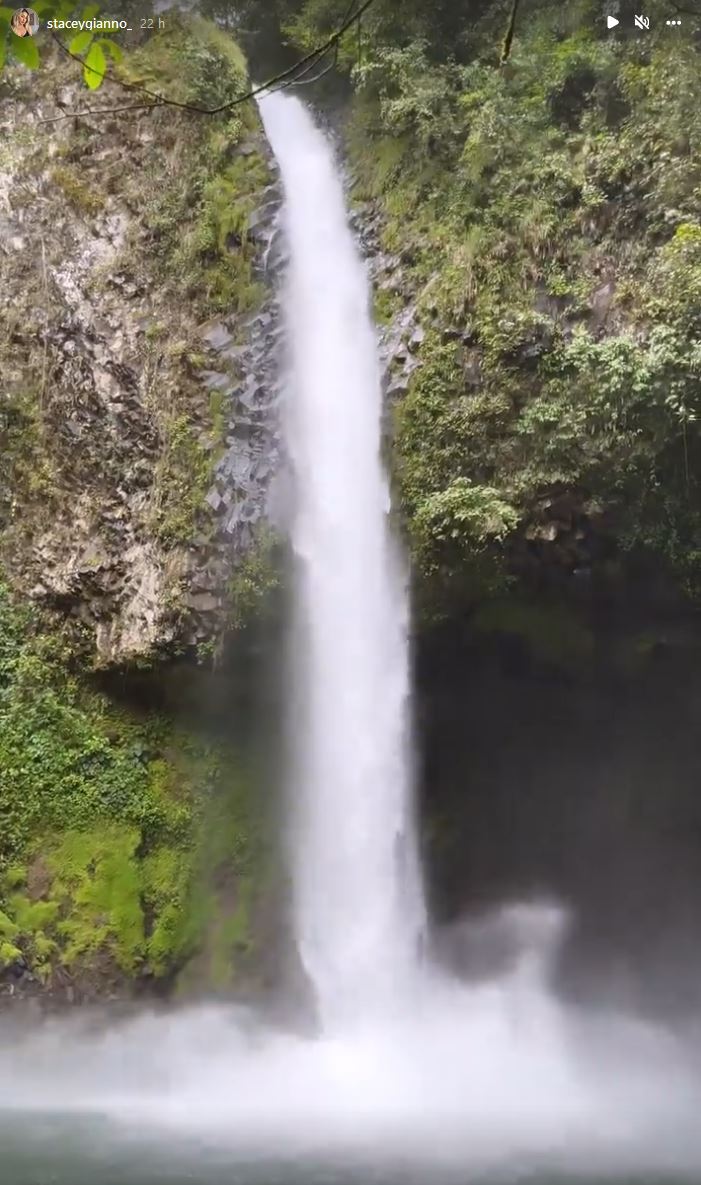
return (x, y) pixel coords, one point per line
(198, 220)
(257, 575)
(386, 305)
(26, 470)
(550, 229)
(60, 759)
(182, 477)
(190, 61)
(83, 199)
(222, 906)
(198, 223)
(204, 258)
(104, 822)
(90, 45)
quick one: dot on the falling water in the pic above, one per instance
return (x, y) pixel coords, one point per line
(359, 912)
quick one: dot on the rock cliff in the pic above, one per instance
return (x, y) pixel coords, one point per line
(138, 434)
(135, 331)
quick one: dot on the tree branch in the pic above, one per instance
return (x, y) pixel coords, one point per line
(508, 39)
(309, 61)
(99, 111)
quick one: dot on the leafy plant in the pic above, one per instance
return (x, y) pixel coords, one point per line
(99, 816)
(464, 518)
(94, 51)
(89, 45)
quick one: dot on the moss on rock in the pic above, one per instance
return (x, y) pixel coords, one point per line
(110, 821)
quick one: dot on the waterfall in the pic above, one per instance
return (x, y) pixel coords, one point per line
(358, 901)
(492, 1079)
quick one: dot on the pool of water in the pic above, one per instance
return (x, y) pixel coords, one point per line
(51, 1151)
(491, 1084)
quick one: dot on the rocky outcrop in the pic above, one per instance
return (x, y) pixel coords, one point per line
(400, 333)
(247, 380)
(139, 435)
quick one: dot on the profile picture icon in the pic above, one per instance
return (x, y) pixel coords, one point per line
(25, 22)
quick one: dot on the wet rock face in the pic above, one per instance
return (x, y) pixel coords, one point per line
(122, 508)
(402, 334)
(247, 377)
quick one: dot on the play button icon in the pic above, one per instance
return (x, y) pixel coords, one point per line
(612, 21)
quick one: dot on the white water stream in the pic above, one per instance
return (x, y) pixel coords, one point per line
(359, 914)
(408, 1063)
